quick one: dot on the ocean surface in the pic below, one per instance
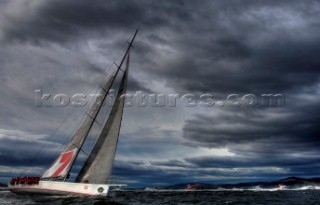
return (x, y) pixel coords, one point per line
(238, 197)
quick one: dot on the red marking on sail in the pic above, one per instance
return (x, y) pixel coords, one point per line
(65, 160)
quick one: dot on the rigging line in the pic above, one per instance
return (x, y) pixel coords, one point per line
(88, 134)
(96, 83)
(35, 157)
(94, 119)
(80, 149)
(73, 121)
(63, 122)
(98, 110)
(102, 140)
(93, 138)
(99, 107)
(54, 134)
(106, 70)
(101, 78)
(108, 66)
(104, 113)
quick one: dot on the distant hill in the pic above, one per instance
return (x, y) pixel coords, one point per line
(290, 182)
(3, 185)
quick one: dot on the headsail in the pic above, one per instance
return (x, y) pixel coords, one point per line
(61, 167)
(98, 167)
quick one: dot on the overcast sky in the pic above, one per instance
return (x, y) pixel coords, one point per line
(183, 47)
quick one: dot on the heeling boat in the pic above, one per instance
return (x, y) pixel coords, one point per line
(95, 176)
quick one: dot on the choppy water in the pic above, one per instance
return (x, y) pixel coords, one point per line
(238, 197)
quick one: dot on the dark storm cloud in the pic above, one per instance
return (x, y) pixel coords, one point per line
(229, 47)
(269, 69)
(284, 161)
(285, 138)
(26, 152)
(273, 130)
(64, 20)
(288, 165)
(219, 46)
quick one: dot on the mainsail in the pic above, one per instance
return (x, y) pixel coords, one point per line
(98, 167)
(61, 167)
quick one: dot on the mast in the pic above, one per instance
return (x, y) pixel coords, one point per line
(104, 98)
(98, 166)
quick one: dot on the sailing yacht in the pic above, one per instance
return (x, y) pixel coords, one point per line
(95, 176)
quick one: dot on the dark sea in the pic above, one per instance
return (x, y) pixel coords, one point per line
(245, 197)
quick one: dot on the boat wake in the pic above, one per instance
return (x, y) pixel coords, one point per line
(255, 188)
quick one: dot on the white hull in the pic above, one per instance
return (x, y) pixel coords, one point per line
(61, 188)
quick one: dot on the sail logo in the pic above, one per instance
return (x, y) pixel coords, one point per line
(59, 168)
